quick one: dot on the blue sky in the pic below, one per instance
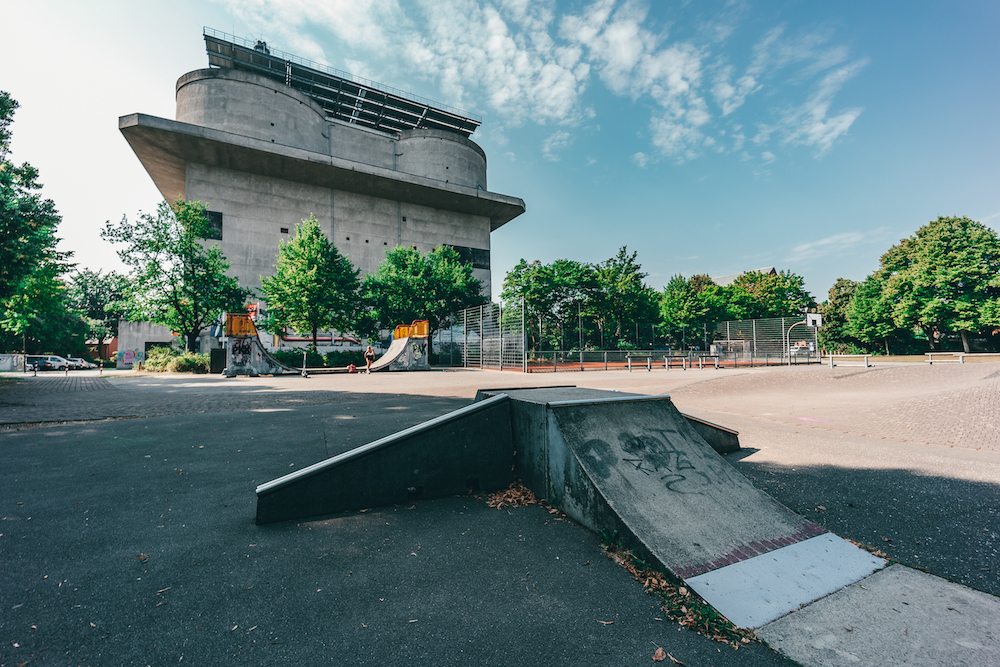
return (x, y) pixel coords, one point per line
(711, 137)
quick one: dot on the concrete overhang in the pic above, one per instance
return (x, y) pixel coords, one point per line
(164, 147)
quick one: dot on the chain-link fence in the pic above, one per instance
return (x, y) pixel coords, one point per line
(489, 336)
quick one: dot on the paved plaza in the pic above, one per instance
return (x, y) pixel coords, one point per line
(128, 534)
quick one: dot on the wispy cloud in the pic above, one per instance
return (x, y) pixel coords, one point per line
(640, 159)
(554, 143)
(524, 62)
(834, 245)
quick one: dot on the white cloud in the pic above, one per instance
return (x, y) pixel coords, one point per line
(554, 143)
(767, 157)
(522, 61)
(834, 245)
(640, 159)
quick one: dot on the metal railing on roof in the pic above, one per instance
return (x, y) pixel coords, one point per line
(266, 60)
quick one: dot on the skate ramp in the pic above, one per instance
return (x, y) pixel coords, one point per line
(631, 468)
(246, 355)
(408, 350)
(468, 449)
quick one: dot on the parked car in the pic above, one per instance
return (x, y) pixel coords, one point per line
(78, 364)
(47, 362)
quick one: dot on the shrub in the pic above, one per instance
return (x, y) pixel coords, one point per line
(158, 358)
(189, 362)
(293, 358)
(345, 357)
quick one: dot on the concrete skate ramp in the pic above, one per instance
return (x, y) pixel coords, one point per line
(634, 464)
(404, 354)
(246, 355)
(469, 448)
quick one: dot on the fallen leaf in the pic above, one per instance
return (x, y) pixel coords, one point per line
(660, 655)
(821, 508)
(612, 622)
(674, 660)
(92, 624)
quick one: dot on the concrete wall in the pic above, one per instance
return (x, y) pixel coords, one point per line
(256, 208)
(253, 106)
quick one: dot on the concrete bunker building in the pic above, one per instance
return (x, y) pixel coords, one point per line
(264, 139)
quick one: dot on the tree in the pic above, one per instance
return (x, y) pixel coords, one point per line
(409, 286)
(869, 314)
(39, 317)
(835, 334)
(553, 293)
(688, 305)
(175, 279)
(27, 221)
(623, 296)
(945, 277)
(100, 298)
(314, 287)
(756, 295)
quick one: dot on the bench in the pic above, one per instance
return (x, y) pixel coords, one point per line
(647, 357)
(849, 360)
(672, 359)
(703, 357)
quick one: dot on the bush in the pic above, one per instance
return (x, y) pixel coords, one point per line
(158, 358)
(293, 358)
(167, 359)
(344, 358)
(189, 362)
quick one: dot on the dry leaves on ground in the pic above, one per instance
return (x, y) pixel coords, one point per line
(517, 495)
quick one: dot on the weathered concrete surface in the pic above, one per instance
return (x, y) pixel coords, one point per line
(246, 356)
(898, 616)
(468, 449)
(404, 354)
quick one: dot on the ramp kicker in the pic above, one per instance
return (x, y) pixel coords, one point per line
(624, 465)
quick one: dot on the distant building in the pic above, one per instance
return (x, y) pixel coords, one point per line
(725, 281)
(264, 139)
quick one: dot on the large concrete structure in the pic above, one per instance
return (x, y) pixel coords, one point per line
(264, 140)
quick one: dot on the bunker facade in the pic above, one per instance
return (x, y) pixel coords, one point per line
(265, 139)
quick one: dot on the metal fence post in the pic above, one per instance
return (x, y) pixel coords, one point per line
(500, 328)
(465, 334)
(524, 341)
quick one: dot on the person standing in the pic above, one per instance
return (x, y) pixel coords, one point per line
(369, 358)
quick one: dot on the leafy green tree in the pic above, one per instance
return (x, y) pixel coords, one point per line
(176, 279)
(409, 286)
(555, 294)
(314, 287)
(946, 277)
(39, 317)
(835, 334)
(688, 305)
(756, 295)
(869, 314)
(100, 298)
(27, 221)
(622, 296)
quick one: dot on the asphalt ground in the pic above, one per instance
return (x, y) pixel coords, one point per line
(127, 532)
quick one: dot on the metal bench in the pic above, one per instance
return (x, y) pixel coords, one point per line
(703, 357)
(849, 360)
(647, 357)
(672, 359)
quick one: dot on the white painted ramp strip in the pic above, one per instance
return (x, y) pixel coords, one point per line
(758, 590)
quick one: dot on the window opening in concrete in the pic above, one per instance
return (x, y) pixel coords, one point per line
(284, 230)
(214, 220)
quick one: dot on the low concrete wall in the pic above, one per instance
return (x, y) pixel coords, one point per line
(470, 448)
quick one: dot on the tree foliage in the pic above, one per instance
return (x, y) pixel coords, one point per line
(623, 295)
(100, 298)
(314, 288)
(945, 277)
(409, 286)
(176, 280)
(35, 313)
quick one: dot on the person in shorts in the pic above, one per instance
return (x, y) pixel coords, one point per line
(369, 358)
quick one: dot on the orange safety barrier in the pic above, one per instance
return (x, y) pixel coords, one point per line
(239, 324)
(418, 329)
